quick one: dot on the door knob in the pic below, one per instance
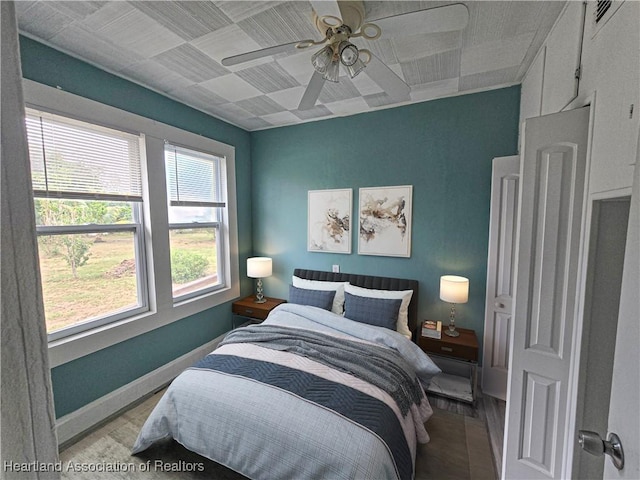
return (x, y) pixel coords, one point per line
(499, 305)
(592, 443)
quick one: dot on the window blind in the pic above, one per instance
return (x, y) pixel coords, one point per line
(74, 159)
(193, 178)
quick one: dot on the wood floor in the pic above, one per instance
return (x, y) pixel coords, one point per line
(466, 443)
(489, 410)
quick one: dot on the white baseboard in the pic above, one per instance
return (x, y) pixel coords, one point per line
(87, 417)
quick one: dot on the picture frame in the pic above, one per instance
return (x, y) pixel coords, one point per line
(384, 221)
(329, 220)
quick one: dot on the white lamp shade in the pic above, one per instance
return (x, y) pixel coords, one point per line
(454, 289)
(259, 267)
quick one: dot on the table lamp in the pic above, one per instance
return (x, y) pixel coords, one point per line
(453, 289)
(259, 267)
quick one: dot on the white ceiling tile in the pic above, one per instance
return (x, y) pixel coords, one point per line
(419, 46)
(76, 10)
(237, 11)
(348, 107)
(95, 49)
(281, 118)
(42, 19)
(227, 42)
(231, 110)
(260, 106)
(495, 55)
(283, 23)
(289, 98)
(501, 76)
(267, 78)
(157, 76)
(365, 85)
(231, 87)
(428, 91)
(188, 19)
(318, 111)
(123, 25)
(191, 63)
(299, 65)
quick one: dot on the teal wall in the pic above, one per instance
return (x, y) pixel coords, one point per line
(443, 148)
(85, 379)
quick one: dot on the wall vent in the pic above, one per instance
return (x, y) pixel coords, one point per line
(601, 8)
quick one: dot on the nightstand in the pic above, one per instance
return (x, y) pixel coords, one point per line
(462, 350)
(248, 311)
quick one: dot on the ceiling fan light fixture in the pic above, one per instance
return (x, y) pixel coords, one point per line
(333, 72)
(322, 59)
(356, 68)
(348, 53)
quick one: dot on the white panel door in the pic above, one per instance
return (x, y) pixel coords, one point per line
(505, 179)
(625, 387)
(552, 183)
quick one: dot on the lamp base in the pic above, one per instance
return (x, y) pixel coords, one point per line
(259, 295)
(451, 331)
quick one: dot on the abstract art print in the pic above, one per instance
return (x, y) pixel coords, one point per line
(385, 221)
(329, 221)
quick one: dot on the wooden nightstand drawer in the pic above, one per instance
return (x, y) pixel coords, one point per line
(464, 347)
(438, 347)
(250, 312)
(259, 311)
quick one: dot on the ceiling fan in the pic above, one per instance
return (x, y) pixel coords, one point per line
(337, 48)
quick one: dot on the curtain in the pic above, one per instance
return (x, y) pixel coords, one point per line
(27, 420)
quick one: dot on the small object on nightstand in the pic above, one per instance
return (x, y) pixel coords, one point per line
(432, 329)
(248, 310)
(462, 350)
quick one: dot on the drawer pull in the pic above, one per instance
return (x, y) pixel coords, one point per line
(446, 349)
(248, 310)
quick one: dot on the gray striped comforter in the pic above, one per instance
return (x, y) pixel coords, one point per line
(269, 413)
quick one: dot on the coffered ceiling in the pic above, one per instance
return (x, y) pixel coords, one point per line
(176, 47)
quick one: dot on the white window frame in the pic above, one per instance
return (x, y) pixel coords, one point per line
(135, 227)
(215, 225)
(162, 310)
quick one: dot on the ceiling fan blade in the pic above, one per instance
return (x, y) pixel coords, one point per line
(387, 79)
(312, 92)
(326, 7)
(264, 52)
(433, 20)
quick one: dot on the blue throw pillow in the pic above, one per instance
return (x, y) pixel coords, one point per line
(381, 312)
(315, 298)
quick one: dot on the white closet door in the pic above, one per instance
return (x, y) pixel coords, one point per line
(550, 223)
(505, 183)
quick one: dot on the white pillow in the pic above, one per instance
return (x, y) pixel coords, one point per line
(338, 287)
(405, 295)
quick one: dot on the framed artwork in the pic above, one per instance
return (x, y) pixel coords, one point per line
(329, 221)
(385, 221)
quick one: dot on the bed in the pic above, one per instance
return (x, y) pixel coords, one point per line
(309, 393)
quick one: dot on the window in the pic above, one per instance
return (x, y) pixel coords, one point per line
(196, 204)
(88, 201)
(95, 188)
